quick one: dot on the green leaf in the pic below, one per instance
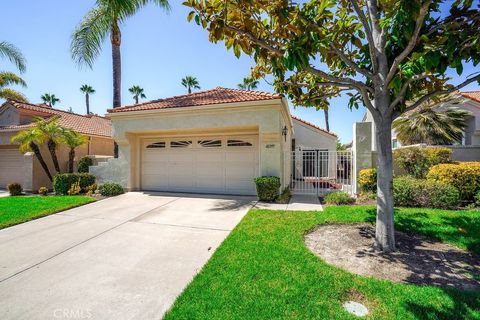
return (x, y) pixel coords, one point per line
(190, 16)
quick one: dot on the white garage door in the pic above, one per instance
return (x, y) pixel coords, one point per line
(11, 167)
(224, 164)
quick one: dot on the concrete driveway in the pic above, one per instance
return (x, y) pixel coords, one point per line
(126, 257)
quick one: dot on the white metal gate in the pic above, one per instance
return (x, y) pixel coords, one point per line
(317, 172)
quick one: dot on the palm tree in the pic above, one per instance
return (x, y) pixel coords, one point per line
(103, 20)
(432, 125)
(249, 83)
(30, 140)
(73, 140)
(137, 92)
(52, 132)
(11, 53)
(49, 99)
(190, 82)
(87, 90)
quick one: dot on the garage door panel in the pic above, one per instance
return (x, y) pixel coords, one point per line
(11, 167)
(201, 167)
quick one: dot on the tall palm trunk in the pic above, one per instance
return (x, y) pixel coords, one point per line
(327, 123)
(52, 147)
(38, 154)
(136, 99)
(71, 158)
(117, 65)
(116, 39)
(189, 89)
(87, 102)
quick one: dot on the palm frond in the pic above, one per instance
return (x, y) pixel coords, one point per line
(432, 125)
(89, 36)
(9, 78)
(12, 53)
(87, 89)
(7, 93)
(25, 137)
(73, 139)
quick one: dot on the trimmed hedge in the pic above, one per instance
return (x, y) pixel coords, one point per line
(15, 189)
(83, 164)
(62, 182)
(110, 189)
(367, 180)
(411, 192)
(465, 176)
(267, 188)
(416, 161)
(338, 198)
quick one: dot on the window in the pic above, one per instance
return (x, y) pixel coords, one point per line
(155, 145)
(210, 143)
(238, 143)
(180, 144)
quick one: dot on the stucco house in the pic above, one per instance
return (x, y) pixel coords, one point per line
(25, 169)
(214, 141)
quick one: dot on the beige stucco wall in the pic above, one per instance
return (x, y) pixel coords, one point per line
(9, 116)
(307, 137)
(263, 118)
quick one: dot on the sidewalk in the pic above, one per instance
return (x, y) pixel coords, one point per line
(297, 203)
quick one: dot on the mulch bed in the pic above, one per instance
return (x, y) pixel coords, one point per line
(418, 260)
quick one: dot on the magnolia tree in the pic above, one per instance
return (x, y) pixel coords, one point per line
(391, 56)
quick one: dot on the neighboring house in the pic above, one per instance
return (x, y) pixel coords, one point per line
(25, 169)
(214, 141)
(469, 101)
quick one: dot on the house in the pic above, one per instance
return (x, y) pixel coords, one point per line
(25, 169)
(214, 141)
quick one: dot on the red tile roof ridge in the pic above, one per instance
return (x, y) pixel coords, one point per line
(314, 126)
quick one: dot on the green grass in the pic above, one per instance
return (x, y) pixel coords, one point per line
(15, 210)
(264, 271)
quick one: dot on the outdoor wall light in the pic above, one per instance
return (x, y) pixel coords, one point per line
(284, 132)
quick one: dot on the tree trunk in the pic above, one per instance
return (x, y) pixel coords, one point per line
(87, 102)
(136, 99)
(385, 231)
(52, 147)
(189, 90)
(117, 66)
(327, 124)
(71, 158)
(38, 154)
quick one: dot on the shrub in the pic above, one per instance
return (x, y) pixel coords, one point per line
(43, 191)
(367, 180)
(338, 198)
(477, 198)
(62, 182)
(92, 188)
(411, 192)
(403, 191)
(110, 189)
(267, 188)
(74, 189)
(465, 176)
(284, 197)
(416, 161)
(15, 189)
(83, 164)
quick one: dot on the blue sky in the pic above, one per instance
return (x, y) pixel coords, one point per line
(158, 49)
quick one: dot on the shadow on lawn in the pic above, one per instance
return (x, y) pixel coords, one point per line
(462, 302)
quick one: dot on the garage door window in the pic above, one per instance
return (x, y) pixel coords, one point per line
(156, 145)
(180, 144)
(238, 143)
(210, 143)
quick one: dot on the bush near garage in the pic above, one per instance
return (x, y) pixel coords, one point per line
(465, 176)
(110, 189)
(43, 191)
(83, 164)
(62, 182)
(416, 161)
(411, 192)
(338, 198)
(367, 180)
(15, 189)
(267, 188)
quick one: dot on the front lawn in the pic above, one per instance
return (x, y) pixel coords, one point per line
(15, 210)
(264, 271)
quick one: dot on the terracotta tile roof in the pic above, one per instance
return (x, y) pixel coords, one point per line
(314, 126)
(218, 95)
(473, 95)
(89, 125)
